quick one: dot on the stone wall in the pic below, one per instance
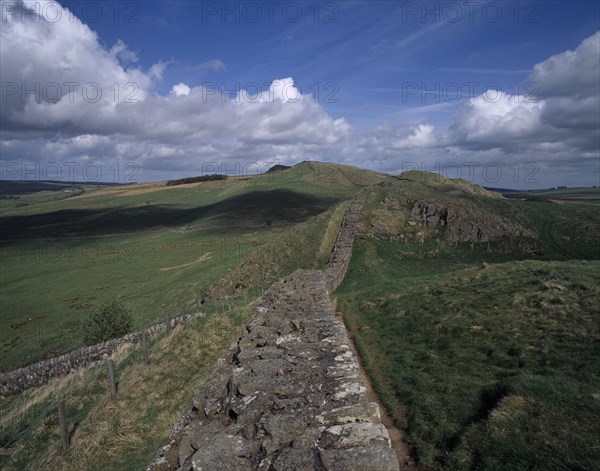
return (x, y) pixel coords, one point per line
(40, 373)
(288, 394)
(342, 249)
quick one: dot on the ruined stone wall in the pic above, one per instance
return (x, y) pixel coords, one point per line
(40, 373)
(288, 394)
(342, 249)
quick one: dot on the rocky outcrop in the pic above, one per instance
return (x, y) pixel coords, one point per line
(431, 214)
(288, 394)
(40, 373)
(465, 221)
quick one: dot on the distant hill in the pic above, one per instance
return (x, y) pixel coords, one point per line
(199, 179)
(587, 194)
(277, 168)
(23, 187)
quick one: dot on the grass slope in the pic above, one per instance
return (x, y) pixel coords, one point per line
(486, 353)
(125, 431)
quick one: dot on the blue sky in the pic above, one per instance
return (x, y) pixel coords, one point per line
(393, 84)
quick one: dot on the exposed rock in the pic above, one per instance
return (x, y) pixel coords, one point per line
(380, 458)
(464, 220)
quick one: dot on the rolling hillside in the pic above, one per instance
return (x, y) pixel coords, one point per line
(157, 248)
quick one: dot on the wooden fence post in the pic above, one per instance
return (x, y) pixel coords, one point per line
(111, 377)
(145, 348)
(62, 419)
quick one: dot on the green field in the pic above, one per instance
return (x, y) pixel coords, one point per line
(487, 354)
(156, 248)
(583, 194)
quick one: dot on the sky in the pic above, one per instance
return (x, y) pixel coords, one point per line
(505, 94)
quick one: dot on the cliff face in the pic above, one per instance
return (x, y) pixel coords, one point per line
(464, 220)
(288, 394)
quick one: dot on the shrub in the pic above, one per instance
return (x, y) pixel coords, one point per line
(203, 178)
(111, 320)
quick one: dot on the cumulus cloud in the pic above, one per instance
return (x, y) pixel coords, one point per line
(421, 135)
(121, 52)
(180, 89)
(491, 122)
(172, 130)
(563, 114)
(570, 73)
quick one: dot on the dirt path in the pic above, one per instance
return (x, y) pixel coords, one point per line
(402, 450)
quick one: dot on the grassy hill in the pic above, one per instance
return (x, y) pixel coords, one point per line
(484, 349)
(476, 316)
(157, 248)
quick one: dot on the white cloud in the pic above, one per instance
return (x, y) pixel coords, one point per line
(196, 121)
(493, 120)
(563, 114)
(214, 64)
(180, 89)
(121, 52)
(570, 73)
(421, 135)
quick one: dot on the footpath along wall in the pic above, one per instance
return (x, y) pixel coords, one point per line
(288, 394)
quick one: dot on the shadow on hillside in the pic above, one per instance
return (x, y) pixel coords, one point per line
(256, 208)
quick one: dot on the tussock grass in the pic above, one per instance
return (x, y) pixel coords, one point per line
(489, 368)
(305, 245)
(125, 431)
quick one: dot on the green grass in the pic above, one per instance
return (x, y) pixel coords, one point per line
(489, 368)
(486, 353)
(155, 248)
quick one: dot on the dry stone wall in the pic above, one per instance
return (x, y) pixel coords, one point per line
(342, 249)
(40, 373)
(288, 394)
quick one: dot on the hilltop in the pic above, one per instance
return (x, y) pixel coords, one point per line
(442, 184)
